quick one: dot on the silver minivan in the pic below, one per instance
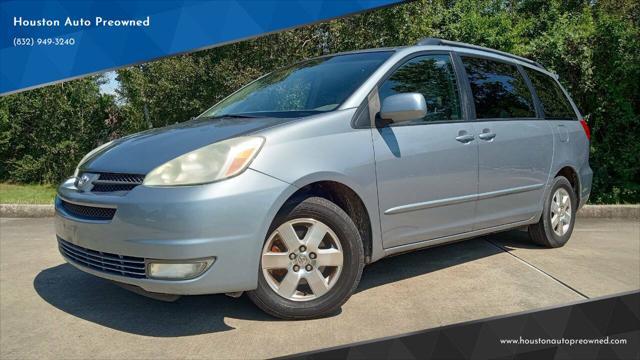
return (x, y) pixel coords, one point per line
(287, 188)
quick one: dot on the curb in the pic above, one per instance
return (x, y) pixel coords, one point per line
(26, 211)
(610, 211)
(588, 211)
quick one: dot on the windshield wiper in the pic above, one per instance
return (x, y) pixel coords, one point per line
(236, 116)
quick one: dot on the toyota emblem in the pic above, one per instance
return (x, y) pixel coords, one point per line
(82, 182)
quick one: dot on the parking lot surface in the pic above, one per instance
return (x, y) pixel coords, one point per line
(48, 309)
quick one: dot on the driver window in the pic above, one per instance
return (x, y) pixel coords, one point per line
(432, 76)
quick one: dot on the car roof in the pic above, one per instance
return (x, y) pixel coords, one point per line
(456, 44)
(441, 44)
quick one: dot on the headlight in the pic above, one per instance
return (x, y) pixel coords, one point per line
(209, 163)
(89, 155)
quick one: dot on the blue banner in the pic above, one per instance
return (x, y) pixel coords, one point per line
(49, 41)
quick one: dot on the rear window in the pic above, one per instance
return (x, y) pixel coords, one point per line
(555, 104)
(499, 90)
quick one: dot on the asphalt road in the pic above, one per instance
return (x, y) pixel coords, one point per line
(50, 310)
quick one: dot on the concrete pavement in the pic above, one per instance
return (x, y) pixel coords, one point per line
(50, 310)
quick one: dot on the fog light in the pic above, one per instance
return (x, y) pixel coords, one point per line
(159, 269)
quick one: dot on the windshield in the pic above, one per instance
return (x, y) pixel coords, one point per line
(310, 87)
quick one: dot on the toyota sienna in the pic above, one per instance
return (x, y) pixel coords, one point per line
(287, 188)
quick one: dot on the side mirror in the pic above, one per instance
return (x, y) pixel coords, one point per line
(403, 107)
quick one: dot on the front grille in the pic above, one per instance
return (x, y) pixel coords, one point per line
(112, 187)
(88, 212)
(111, 182)
(128, 266)
(123, 178)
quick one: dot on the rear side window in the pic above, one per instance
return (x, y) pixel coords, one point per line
(432, 76)
(553, 100)
(499, 90)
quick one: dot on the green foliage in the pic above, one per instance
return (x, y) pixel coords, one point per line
(593, 46)
(26, 194)
(44, 132)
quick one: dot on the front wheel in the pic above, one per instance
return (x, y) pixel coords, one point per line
(558, 216)
(311, 261)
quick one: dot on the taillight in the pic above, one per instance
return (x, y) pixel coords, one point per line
(585, 126)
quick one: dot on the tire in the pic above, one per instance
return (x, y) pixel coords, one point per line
(545, 232)
(273, 295)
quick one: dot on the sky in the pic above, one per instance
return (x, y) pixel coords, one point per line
(111, 85)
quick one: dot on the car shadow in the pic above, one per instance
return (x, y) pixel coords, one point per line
(425, 261)
(102, 302)
(389, 137)
(513, 240)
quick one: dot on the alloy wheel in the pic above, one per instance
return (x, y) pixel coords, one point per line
(560, 212)
(302, 259)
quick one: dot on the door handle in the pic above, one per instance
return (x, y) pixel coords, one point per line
(487, 135)
(465, 138)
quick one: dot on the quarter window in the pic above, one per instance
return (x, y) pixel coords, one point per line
(554, 101)
(499, 90)
(433, 77)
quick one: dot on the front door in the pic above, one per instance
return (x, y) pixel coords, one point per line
(427, 169)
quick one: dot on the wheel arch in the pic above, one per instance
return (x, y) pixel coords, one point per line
(347, 198)
(571, 174)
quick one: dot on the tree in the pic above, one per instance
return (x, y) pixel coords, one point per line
(44, 132)
(592, 45)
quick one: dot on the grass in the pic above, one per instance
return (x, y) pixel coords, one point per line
(26, 194)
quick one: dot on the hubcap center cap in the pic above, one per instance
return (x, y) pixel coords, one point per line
(302, 260)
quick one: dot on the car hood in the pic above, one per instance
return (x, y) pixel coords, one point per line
(142, 152)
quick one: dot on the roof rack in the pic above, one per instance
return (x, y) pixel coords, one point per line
(436, 41)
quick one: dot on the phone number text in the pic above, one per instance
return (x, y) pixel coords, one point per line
(56, 41)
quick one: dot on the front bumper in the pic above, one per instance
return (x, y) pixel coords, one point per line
(227, 220)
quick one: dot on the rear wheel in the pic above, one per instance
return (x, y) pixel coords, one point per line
(558, 217)
(311, 261)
